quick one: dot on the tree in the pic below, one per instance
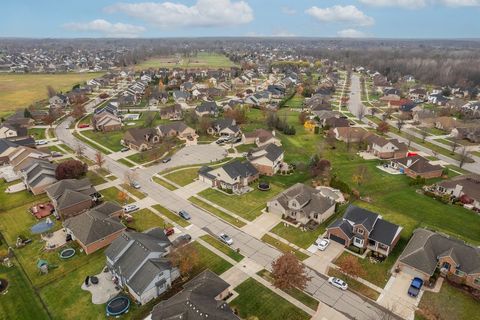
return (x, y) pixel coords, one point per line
(330, 140)
(49, 119)
(464, 156)
(122, 196)
(349, 265)
(130, 177)
(302, 117)
(423, 134)
(71, 169)
(204, 124)
(26, 113)
(78, 111)
(79, 149)
(360, 175)
(99, 159)
(361, 112)
(185, 258)
(454, 145)
(51, 92)
(288, 272)
(400, 123)
(383, 127)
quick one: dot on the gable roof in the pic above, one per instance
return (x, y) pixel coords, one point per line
(270, 151)
(360, 216)
(418, 164)
(239, 169)
(70, 191)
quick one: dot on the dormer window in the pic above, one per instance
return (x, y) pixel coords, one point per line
(360, 231)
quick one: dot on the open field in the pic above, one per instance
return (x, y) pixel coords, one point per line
(21, 90)
(202, 60)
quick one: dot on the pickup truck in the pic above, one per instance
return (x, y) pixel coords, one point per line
(415, 287)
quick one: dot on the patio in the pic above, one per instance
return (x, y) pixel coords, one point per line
(55, 240)
(42, 210)
(104, 290)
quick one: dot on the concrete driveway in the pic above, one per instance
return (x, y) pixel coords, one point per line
(321, 260)
(191, 189)
(395, 297)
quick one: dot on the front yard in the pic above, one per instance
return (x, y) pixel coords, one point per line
(183, 177)
(113, 194)
(145, 219)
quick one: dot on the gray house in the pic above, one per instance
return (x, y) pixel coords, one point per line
(137, 261)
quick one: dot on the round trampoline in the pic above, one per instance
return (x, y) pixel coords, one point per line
(117, 306)
(67, 253)
(263, 186)
(3, 285)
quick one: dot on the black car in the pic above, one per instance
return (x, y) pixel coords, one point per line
(181, 240)
(166, 160)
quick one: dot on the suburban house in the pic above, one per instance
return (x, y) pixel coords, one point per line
(234, 176)
(23, 157)
(97, 227)
(71, 196)
(140, 139)
(261, 137)
(464, 187)
(11, 131)
(158, 97)
(267, 159)
(207, 108)
(203, 297)
(335, 122)
(181, 96)
(350, 134)
(386, 149)
(137, 262)
(417, 166)
(110, 107)
(428, 251)
(105, 121)
(303, 204)
(38, 176)
(418, 94)
(59, 100)
(224, 127)
(471, 134)
(171, 112)
(364, 229)
(175, 129)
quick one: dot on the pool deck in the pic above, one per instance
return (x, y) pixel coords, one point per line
(104, 290)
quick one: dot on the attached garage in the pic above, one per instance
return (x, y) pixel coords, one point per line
(337, 239)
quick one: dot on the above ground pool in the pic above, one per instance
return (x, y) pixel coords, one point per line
(117, 306)
(67, 253)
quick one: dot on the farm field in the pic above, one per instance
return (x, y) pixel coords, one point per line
(202, 60)
(21, 90)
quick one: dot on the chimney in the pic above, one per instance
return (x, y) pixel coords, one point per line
(273, 133)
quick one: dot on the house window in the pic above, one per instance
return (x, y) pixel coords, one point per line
(358, 242)
(359, 231)
(315, 216)
(477, 281)
(459, 273)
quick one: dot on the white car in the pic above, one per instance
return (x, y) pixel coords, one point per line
(225, 238)
(40, 142)
(339, 283)
(130, 208)
(322, 243)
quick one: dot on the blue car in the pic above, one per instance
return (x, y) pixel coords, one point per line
(184, 214)
(415, 287)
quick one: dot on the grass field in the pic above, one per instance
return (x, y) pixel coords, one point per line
(172, 216)
(283, 246)
(202, 60)
(21, 90)
(295, 102)
(209, 260)
(256, 300)
(145, 219)
(183, 177)
(164, 183)
(219, 213)
(222, 247)
(354, 285)
(111, 194)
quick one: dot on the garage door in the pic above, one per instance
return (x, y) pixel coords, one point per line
(337, 239)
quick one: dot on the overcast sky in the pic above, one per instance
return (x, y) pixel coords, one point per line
(197, 18)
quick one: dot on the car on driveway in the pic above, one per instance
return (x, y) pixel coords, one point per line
(124, 149)
(83, 125)
(130, 208)
(322, 243)
(184, 214)
(339, 283)
(135, 185)
(166, 160)
(225, 238)
(415, 287)
(181, 240)
(40, 142)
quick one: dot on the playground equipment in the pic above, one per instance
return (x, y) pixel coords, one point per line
(118, 306)
(43, 266)
(67, 253)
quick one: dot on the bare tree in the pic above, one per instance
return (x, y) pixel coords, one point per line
(99, 159)
(130, 177)
(185, 258)
(423, 134)
(464, 156)
(361, 112)
(149, 119)
(79, 149)
(51, 92)
(288, 272)
(454, 145)
(400, 123)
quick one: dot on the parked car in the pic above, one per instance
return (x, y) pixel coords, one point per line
(40, 142)
(166, 160)
(184, 214)
(182, 240)
(130, 208)
(56, 154)
(322, 243)
(169, 231)
(415, 287)
(124, 149)
(135, 185)
(225, 238)
(83, 125)
(339, 283)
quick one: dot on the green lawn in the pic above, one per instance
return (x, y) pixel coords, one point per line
(66, 148)
(183, 177)
(298, 294)
(91, 144)
(219, 213)
(295, 102)
(257, 300)
(135, 192)
(201, 60)
(94, 178)
(12, 200)
(172, 216)
(110, 140)
(111, 194)
(126, 162)
(245, 147)
(37, 133)
(209, 260)
(451, 303)
(248, 205)
(164, 183)
(222, 247)
(354, 285)
(145, 219)
(283, 246)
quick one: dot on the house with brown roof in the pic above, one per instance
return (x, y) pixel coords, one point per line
(386, 149)
(302, 203)
(175, 129)
(23, 157)
(96, 228)
(471, 134)
(350, 134)
(171, 112)
(71, 196)
(429, 251)
(106, 122)
(464, 187)
(365, 230)
(445, 123)
(141, 139)
(417, 166)
(260, 137)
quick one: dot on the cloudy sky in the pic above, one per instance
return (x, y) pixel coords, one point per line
(197, 18)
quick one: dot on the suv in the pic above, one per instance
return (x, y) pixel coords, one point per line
(415, 287)
(130, 208)
(184, 214)
(181, 240)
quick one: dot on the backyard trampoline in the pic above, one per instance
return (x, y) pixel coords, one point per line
(67, 253)
(263, 186)
(118, 306)
(3, 285)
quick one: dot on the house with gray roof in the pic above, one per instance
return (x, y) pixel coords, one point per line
(464, 187)
(234, 176)
(38, 176)
(428, 251)
(417, 166)
(267, 159)
(207, 108)
(138, 263)
(303, 204)
(224, 127)
(141, 139)
(365, 230)
(175, 129)
(202, 298)
(71, 196)
(96, 228)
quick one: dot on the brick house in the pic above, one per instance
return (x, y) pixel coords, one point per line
(141, 139)
(366, 230)
(175, 129)
(234, 176)
(267, 159)
(466, 186)
(417, 166)
(260, 137)
(106, 122)
(428, 251)
(386, 149)
(303, 204)
(97, 227)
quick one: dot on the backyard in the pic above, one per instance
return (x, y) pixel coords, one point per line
(201, 60)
